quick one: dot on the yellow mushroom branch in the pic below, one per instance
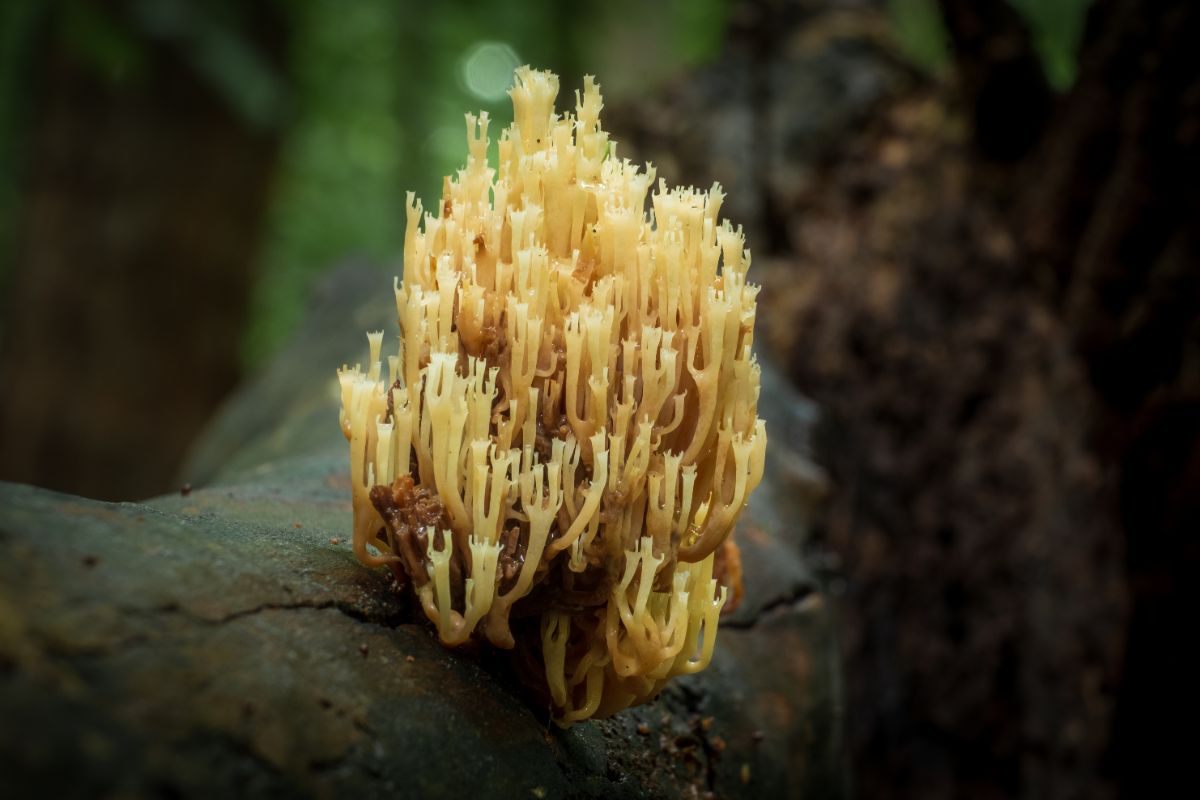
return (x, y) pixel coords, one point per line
(556, 450)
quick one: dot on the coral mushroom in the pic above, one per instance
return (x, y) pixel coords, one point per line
(569, 430)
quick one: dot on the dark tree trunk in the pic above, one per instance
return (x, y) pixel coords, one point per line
(1065, 665)
(994, 295)
(999, 76)
(141, 208)
(1111, 210)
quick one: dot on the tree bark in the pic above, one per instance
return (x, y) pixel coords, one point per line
(1111, 207)
(993, 295)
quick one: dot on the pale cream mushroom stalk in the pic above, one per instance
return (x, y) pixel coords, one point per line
(568, 430)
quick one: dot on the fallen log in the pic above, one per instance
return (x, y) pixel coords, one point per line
(224, 640)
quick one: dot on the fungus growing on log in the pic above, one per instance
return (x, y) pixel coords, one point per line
(556, 455)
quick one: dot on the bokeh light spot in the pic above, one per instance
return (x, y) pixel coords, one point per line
(487, 69)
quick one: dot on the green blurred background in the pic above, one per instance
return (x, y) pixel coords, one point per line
(367, 97)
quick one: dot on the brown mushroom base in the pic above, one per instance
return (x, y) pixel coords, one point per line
(589, 641)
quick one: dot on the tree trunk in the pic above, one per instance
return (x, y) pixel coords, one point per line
(1111, 210)
(993, 295)
(141, 209)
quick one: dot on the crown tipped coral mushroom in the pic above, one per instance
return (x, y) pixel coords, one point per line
(557, 453)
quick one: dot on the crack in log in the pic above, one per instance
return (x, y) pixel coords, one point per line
(59, 649)
(386, 620)
(382, 617)
(792, 600)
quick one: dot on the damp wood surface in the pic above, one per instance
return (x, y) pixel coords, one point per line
(225, 640)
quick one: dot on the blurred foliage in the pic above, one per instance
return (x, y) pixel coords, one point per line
(102, 41)
(371, 98)
(381, 89)
(1057, 28)
(212, 37)
(1055, 25)
(921, 34)
(337, 190)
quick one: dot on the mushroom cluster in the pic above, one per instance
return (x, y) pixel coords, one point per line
(556, 455)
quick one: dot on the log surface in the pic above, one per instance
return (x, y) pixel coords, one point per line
(226, 641)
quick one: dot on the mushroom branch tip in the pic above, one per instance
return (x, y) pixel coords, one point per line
(554, 454)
